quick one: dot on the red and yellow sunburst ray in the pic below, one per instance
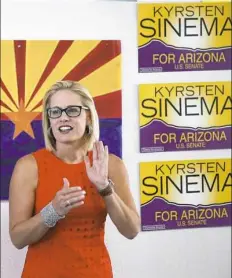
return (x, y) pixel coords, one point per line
(20, 57)
(94, 60)
(38, 106)
(6, 103)
(5, 106)
(38, 56)
(77, 51)
(105, 79)
(8, 74)
(113, 109)
(58, 53)
(5, 91)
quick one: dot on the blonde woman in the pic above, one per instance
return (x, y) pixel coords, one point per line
(60, 196)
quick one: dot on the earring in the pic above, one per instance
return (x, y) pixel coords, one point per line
(50, 131)
(89, 129)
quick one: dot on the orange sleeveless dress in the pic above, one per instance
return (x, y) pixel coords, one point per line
(75, 247)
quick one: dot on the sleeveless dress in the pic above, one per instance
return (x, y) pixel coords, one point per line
(75, 247)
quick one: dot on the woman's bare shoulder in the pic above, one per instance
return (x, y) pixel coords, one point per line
(114, 158)
(27, 161)
(116, 165)
(26, 169)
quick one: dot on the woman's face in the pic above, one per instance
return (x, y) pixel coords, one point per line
(67, 129)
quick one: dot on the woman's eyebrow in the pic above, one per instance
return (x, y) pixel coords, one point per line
(71, 105)
(55, 107)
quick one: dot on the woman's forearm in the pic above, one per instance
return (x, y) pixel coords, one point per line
(28, 232)
(125, 219)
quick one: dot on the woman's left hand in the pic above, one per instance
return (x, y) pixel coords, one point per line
(98, 172)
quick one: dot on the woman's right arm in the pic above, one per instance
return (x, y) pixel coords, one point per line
(24, 229)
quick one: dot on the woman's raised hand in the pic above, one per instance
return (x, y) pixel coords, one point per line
(68, 198)
(98, 172)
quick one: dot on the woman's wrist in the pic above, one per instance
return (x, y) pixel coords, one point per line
(50, 216)
(108, 189)
(102, 185)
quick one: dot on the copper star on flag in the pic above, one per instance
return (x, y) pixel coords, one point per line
(22, 120)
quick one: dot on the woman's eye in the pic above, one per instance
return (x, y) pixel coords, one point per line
(73, 110)
(55, 112)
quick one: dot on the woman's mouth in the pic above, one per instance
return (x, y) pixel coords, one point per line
(65, 129)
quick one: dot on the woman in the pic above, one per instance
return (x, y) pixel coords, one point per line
(60, 195)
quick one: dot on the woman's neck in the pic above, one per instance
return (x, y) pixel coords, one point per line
(70, 153)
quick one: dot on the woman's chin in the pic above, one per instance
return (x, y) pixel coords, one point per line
(68, 139)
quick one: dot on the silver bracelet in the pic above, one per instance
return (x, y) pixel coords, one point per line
(50, 216)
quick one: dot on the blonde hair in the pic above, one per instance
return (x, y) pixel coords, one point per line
(87, 100)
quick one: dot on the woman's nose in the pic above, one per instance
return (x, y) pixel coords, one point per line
(64, 117)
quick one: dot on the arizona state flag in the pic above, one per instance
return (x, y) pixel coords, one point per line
(29, 68)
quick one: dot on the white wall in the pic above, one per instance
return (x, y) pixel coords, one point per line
(193, 253)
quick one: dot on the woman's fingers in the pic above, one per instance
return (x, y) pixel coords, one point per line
(75, 200)
(72, 201)
(68, 197)
(76, 205)
(70, 206)
(69, 190)
(87, 162)
(106, 154)
(66, 183)
(100, 150)
(73, 195)
(94, 152)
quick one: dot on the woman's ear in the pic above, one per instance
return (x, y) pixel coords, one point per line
(88, 117)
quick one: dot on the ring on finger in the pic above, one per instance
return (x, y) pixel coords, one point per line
(68, 203)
